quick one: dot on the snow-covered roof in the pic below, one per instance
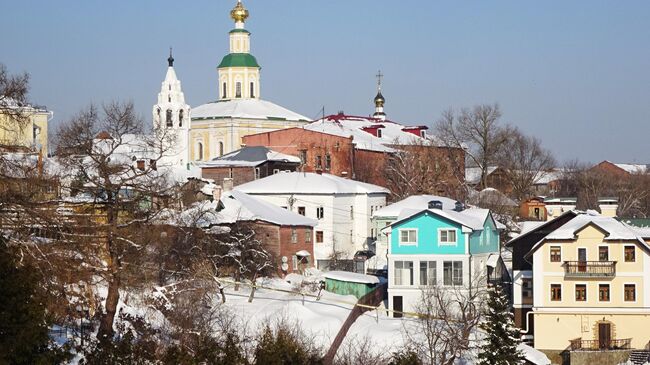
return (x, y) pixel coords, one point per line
(473, 218)
(527, 226)
(633, 168)
(250, 157)
(352, 126)
(352, 277)
(245, 109)
(473, 174)
(308, 183)
(533, 355)
(239, 206)
(413, 202)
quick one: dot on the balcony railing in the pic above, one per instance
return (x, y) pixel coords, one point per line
(589, 268)
(596, 345)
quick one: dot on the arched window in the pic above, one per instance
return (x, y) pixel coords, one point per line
(158, 115)
(199, 152)
(169, 118)
(224, 91)
(220, 148)
(170, 87)
(252, 90)
(169, 98)
(180, 118)
(238, 90)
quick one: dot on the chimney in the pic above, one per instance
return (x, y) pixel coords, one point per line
(608, 206)
(216, 193)
(227, 184)
(435, 204)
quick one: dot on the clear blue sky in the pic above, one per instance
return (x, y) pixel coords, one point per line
(574, 73)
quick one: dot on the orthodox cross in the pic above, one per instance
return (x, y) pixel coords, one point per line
(379, 76)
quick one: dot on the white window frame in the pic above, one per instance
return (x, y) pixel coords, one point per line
(405, 280)
(434, 272)
(447, 243)
(294, 235)
(399, 237)
(462, 269)
(636, 293)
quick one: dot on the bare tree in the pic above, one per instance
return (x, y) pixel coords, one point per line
(478, 131)
(13, 100)
(448, 318)
(100, 148)
(524, 160)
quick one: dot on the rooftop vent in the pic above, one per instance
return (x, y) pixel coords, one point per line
(435, 204)
(459, 207)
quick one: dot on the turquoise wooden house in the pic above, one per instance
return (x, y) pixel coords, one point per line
(444, 247)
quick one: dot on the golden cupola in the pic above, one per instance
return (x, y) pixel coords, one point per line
(239, 13)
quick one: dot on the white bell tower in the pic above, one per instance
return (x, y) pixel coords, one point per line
(171, 117)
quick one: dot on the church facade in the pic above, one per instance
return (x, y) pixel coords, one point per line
(218, 127)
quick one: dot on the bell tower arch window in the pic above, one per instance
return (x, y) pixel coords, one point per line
(252, 90)
(238, 90)
(199, 151)
(180, 118)
(224, 94)
(168, 118)
(220, 148)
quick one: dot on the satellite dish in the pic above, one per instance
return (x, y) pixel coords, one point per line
(284, 259)
(284, 266)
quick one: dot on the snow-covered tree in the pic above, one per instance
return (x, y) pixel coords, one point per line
(502, 337)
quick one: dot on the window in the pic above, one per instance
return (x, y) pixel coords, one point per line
(301, 210)
(303, 156)
(351, 212)
(168, 118)
(140, 165)
(252, 90)
(556, 292)
(408, 237)
(603, 292)
(452, 272)
(230, 173)
(320, 213)
(308, 235)
(427, 273)
(319, 236)
(378, 132)
(238, 90)
(220, 148)
(328, 162)
(603, 253)
(294, 235)
(423, 134)
(447, 237)
(257, 173)
(527, 290)
(403, 273)
(275, 171)
(199, 151)
(169, 98)
(223, 94)
(180, 118)
(630, 292)
(319, 164)
(294, 262)
(630, 254)
(556, 254)
(581, 292)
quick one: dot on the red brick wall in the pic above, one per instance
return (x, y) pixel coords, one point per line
(609, 168)
(240, 175)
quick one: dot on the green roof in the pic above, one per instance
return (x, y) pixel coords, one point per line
(239, 31)
(238, 60)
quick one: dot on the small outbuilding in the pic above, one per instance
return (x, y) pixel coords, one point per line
(349, 283)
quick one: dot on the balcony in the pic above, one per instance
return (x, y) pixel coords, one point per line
(595, 345)
(589, 269)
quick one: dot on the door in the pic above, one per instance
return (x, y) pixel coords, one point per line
(582, 259)
(604, 335)
(398, 306)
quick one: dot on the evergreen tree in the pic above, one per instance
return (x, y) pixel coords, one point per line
(502, 337)
(24, 329)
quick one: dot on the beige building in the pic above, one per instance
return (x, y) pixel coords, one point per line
(23, 128)
(217, 128)
(591, 286)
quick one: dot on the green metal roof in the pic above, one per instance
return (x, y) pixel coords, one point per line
(238, 60)
(239, 31)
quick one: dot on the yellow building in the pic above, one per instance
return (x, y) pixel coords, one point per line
(217, 128)
(23, 128)
(591, 286)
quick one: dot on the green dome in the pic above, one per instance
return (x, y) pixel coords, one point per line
(238, 60)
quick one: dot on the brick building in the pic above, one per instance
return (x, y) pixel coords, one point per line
(356, 147)
(248, 164)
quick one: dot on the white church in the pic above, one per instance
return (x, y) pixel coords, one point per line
(216, 128)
